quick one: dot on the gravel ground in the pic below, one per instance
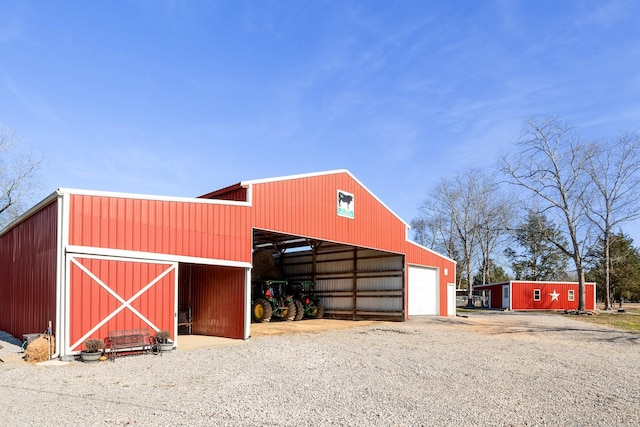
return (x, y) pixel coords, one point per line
(503, 369)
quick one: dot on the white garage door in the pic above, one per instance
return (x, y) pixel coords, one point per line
(423, 291)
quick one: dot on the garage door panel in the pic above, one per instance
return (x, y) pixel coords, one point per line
(423, 291)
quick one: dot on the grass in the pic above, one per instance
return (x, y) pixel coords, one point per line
(628, 321)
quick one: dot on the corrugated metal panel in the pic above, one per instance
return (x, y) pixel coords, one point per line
(308, 207)
(420, 256)
(217, 299)
(236, 192)
(28, 273)
(553, 296)
(107, 294)
(494, 293)
(218, 231)
(353, 283)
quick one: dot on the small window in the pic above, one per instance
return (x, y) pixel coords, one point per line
(536, 294)
(571, 297)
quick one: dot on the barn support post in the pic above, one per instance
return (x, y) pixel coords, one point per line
(405, 312)
(355, 284)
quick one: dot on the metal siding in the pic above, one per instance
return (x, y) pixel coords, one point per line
(353, 282)
(522, 296)
(217, 299)
(94, 309)
(216, 231)
(419, 256)
(28, 271)
(307, 207)
(494, 293)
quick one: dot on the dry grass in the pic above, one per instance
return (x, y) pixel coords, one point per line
(629, 320)
(37, 351)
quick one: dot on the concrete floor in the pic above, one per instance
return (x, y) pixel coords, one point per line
(190, 342)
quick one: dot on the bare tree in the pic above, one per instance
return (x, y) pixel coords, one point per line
(17, 177)
(496, 214)
(615, 173)
(551, 164)
(435, 229)
(462, 215)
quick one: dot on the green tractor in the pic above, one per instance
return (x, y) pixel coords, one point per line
(270, 299)
(308, 305)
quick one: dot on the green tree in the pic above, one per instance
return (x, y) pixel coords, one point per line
(493, 273)
(624, 268)
(538, 258)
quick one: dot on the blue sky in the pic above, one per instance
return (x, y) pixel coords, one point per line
(180, 98)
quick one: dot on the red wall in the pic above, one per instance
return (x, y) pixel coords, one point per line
(522, 295)
(307, 207)
(216, 298)
(522, 298)
(91, 301)
(217, 231)
(28, 274)
(420, 256)
(496, 294)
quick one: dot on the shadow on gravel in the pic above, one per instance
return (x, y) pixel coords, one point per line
(608, 335)
(498, 323)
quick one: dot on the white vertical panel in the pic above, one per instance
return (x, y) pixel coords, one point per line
(423, 291)
(451, 299)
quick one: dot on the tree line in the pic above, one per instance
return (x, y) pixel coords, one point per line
(554, 207)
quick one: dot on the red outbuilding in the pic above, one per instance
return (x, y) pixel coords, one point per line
(90, 262)
(531, 295)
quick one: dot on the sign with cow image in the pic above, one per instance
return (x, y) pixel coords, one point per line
(345, 204)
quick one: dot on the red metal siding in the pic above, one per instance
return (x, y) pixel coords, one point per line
(217, 299)
(28, 273)
(420, 256)
(496, 294)
(218, 231)
(307, 207)
(235, 192)
(522, 297)
(90, 303)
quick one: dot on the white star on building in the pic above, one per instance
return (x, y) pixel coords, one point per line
(554, 295)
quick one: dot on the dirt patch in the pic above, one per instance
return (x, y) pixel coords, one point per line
(309, 326)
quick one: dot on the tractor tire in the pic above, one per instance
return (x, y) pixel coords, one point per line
(319, 311)
(261, 310)
(299, 309)
(290, 312)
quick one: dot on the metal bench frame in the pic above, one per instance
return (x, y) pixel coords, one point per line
(129, 340)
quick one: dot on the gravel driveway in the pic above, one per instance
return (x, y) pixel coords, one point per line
(488, 369)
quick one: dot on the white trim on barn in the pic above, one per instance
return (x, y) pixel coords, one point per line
(123, 303)
(423, 291)
(120, 253)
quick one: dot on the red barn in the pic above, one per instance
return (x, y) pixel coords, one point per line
(528, 295)
(90, 262)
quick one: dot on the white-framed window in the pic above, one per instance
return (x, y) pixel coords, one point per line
(536, 294)
(571, 295)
